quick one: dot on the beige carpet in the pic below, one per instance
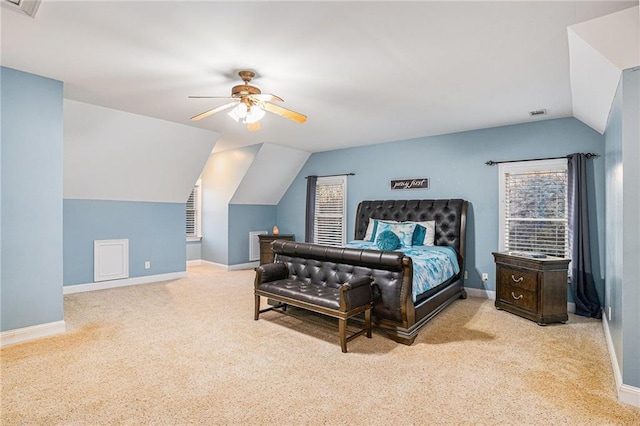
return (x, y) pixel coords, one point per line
(188, 352)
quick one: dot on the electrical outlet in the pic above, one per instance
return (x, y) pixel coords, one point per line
(485, 277)
(147, 264)
(609, 313)
(466, 275)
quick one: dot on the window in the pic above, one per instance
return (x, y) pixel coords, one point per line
(533, 207)
(193, 213)
(330, 224)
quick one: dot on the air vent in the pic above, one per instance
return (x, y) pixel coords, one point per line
(28, 7)
(537, 113)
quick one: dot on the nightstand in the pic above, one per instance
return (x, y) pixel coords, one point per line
(532, 286)
(266, 254)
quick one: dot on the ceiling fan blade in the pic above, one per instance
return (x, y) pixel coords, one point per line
(213, 111)
(253, 127)
(267, 97)
(210, 97)
(286, 113)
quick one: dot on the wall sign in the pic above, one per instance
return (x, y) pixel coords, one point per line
(415, 183)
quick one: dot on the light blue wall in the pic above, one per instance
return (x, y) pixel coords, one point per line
(622, 178)
(631, 293)
(194, 250)
(245, 218)
(631, 235)
(156, 232)
(455, 163)
(614, 222)
(32, 131)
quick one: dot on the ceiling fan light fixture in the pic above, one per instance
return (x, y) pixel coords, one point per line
(239, 112)
(254, 115)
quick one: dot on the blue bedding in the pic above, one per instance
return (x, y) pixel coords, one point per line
(432, 265)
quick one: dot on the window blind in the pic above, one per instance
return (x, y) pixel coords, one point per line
(330, 211)
(536, 212)
(193, 213)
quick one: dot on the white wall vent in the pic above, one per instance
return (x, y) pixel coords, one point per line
(28, 7)
(537, 113)
(110, 260)
(254, 245)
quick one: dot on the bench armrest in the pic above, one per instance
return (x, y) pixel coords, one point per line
(271, 272)
(358, 282)
(356, 293)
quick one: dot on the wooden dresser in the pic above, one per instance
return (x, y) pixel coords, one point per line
(266, 254)
(534, 288)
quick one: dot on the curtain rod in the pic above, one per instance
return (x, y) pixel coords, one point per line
(589, 156)
(339, 174)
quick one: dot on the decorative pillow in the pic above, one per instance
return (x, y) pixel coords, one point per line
(404, 231)
(418, 235)
(372, 229)
(387, 240)
(425, 233)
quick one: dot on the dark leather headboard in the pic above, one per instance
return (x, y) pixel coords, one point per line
(450, 217)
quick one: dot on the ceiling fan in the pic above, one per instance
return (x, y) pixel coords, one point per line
(250, 104)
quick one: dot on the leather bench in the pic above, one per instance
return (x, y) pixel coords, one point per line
(333, 281)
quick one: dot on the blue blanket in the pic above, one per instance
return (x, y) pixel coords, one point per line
(432, 265)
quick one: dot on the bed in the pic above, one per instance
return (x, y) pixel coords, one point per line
(403, 310)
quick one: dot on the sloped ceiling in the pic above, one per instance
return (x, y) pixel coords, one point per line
(114, 155)
(364, 72)
(261, 185)
(599, 50)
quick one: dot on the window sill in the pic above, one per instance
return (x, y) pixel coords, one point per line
(193, 239)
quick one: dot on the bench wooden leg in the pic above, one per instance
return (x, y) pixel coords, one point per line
(342, 330)
(256, 313)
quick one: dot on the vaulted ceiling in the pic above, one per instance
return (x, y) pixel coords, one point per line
(363, 72)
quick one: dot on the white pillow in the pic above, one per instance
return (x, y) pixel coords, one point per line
(368, 236)
(372, 228)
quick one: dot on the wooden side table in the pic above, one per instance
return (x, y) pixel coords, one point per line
(532, 287)
(266, 253)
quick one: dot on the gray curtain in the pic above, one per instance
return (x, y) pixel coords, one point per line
(582, 284)
(311, 207)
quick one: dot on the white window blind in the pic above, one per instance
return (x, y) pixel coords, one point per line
(193, 213)
(330, 211)
(534, 207)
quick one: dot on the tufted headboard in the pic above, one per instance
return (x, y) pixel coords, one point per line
(450, 217)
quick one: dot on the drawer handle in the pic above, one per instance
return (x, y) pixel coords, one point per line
(516, 297)
(516, 280)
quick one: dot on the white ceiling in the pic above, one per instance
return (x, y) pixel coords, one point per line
(363, 72)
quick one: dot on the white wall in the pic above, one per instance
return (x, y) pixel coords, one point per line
(261, 185)
(220, 179)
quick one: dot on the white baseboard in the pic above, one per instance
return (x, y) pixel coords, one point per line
(480, 292)
(236, 267)
(102, 285)
(240, 266)
(629, 395)
(626, 393)
(217, 265)
(194, 262)
(24, 334)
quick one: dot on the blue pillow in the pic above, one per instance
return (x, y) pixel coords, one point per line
(387, 240)
(418, 235)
